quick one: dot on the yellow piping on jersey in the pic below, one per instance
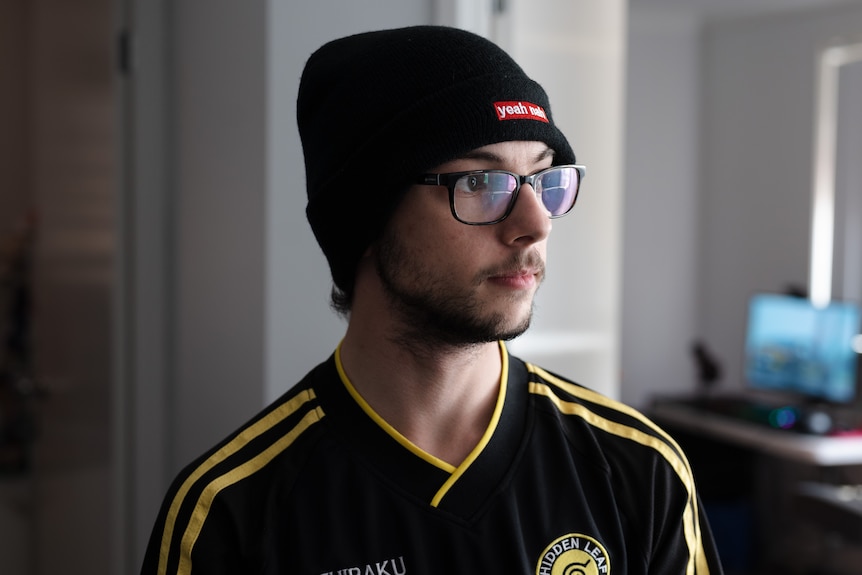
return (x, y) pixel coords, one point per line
(666, 446)
(406, 443)
(237, 443)
(489, 432)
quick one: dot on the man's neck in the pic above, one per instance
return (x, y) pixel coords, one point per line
(440, 398)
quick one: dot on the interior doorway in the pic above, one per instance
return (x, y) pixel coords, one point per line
(57, 226)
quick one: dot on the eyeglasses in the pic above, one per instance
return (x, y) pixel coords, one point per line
(484, 197)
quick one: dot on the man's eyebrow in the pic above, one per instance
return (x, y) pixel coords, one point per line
(492, 157)
(546, 153)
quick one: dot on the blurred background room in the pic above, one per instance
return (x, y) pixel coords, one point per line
(159, 283)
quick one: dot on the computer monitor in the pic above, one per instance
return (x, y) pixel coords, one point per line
(796, 348)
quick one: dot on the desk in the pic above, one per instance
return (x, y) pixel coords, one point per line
(819, 450)
(747, 476)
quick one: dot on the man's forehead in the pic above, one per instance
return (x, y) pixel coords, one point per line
(503, 151)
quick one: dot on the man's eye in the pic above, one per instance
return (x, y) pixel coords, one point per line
(476, 183)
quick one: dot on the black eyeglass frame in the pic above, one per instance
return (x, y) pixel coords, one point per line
(450, 179)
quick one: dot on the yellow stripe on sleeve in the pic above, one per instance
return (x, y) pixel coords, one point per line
(241, 440)
(248, 468)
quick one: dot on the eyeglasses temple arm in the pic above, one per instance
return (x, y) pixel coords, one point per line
(430, 180)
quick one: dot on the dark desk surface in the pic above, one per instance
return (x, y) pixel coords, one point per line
(821, 450)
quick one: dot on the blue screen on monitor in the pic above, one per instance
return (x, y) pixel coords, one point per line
(792, 346)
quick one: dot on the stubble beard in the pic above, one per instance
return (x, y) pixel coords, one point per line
(433, 314)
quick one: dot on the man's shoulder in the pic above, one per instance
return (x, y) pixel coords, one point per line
(275, 430)
(570, 396)
(227, 487)
(614, 426)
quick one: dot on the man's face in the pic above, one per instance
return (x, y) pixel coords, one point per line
(457, 284)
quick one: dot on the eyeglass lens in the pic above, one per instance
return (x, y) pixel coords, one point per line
(487, 196)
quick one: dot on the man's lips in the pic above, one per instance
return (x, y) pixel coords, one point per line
(516, 273)
(523, 271)
(522, 278)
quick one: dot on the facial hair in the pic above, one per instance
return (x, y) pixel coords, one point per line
(435, 312)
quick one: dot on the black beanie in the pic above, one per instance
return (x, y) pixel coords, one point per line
(376, 110)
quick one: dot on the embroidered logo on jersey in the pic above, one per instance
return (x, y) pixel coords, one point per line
(520, 111)
(574, 554)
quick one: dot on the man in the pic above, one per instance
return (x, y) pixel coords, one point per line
(421, 446)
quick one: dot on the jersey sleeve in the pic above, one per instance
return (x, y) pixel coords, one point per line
(682, 541)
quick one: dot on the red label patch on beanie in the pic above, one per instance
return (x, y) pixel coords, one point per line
(520, 111)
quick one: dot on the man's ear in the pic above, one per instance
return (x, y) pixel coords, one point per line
(366, 261)
(369, 251)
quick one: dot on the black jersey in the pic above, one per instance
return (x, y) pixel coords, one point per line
(565, 481)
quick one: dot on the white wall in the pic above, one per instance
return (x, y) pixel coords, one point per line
(219, 122)
(847, 271)
(757, 150)
(660, 229)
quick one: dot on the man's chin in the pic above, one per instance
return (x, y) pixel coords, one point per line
(516, 329)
